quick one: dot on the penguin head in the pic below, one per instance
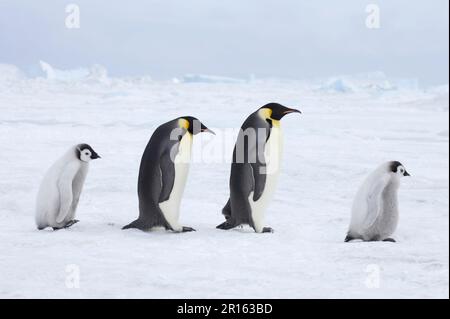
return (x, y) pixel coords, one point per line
(397, 169)
(275, 111)
(85, 153)
(193, 125)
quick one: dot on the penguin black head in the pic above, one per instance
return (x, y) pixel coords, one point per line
(193, 125)
(398, 169)
(86, 153)
(275, 111)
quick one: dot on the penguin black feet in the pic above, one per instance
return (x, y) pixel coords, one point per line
(187, 229)
(71, 223)
(139, 224)
(348, 238)
(391, 240)
(267, 230)
(225, 226)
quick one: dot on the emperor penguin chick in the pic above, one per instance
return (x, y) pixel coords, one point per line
(375, 208)
(60, 190)
(255, 168)
(163, 174)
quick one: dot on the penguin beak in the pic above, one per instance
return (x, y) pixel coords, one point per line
(406, 174)
(205, 129)
(95, 156)
(291, 111)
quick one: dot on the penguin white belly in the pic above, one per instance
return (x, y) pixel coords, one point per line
(47, 204)
(48, 198)
(171, 207)
(273, 153)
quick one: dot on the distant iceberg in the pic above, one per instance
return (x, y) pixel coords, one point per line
(96, 73)
(54, 74)
(200, 78)
(337, 85)
(373, 83)
(10, 73)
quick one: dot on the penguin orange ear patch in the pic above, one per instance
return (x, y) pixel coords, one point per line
(183, 123)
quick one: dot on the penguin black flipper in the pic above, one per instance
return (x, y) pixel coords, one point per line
(259, 179)
(167, 176)
(256, 151)
(247, 172)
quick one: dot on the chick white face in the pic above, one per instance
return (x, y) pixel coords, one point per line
(86, 153)
(398, 170)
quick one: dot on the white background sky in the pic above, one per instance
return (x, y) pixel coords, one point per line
(268, 38)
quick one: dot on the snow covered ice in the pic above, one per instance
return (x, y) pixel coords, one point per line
(342, 136)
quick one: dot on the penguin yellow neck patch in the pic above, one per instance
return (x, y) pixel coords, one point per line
(183, 123)
(265, 113)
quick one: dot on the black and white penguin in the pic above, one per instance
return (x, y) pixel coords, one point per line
(375, 208)
(255, 168)
(60, 190)
(163, 174)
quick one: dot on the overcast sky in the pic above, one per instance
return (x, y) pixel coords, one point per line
(269, 38)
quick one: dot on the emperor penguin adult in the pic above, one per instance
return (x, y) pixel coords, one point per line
(60, 190)
(375, 208)
(255, 168)
(163, 173)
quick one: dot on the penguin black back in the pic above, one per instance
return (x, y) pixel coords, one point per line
(249, 167)
(150, 187)
(157, 171)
